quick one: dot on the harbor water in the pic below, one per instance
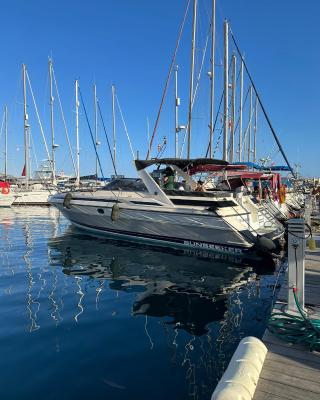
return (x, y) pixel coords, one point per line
(88, 317)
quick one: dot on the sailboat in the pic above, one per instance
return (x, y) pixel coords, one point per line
(33, 192)
(6, 195)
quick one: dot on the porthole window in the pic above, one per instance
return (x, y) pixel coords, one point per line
(100, 211)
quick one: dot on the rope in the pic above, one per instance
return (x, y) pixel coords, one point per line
(106, 135)
(168, 78)
(125, 127)
(204, 52)
(296, 329)
(262, 106)
(39, 121)
(64, 122)
(91, 134)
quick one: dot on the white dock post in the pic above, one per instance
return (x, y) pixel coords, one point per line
(296, 261)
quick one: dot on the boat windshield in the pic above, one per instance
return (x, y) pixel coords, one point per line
(127, 184)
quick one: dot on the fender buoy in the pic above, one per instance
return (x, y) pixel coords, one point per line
(5, 190)
(264, 244)
(115, 212)
(67, 200)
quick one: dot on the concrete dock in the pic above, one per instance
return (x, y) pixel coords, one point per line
(292, 371)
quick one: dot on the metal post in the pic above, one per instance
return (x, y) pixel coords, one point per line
(255, 131)
(250, 126)
(53, 163)
(25, 127)
(6, 142)
(114, 125)
(213, 38)
(177, 104)
(296, 261)
(96, 123)
(77, 133)
(233, 107)
(240, 112)
(193, 49)
(226, 92)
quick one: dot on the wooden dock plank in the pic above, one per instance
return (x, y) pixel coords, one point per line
(292, 372)
(283, 391)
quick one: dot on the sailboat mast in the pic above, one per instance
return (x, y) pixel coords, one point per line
(114, 125)
(255, 131)
(233, 107)
(240, 112)
(250, 126)
(77, 133)
(53, 162)
(213, 40)
(226, 92)
(25, 127)
(96, 123)
(5, 142)
(193, 49)
(177, 104)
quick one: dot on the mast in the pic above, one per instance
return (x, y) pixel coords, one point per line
(114, 125)
(96, 123)
(5, 142)
(240, 112)
(255, 131)
(25, 127)
(250, 126)
(77, 133)
(53, 147)
(213, 40)
(226, 92)
(193, 49)
(233, 107)
(177, 104)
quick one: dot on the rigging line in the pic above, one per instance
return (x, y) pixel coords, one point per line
(2, 123)
(216, 120)
(197, 85)
(125, 127)
(39, 121)
(64, 122)
(106, 135)
(218, 112)
(91, 134)
(262, 106)
(168, 78)
(34, 150)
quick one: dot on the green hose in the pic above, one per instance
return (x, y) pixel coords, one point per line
(296, 329)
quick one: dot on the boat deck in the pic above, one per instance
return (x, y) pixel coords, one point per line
(291, 371)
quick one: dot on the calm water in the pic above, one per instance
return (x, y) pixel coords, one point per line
(85, 317)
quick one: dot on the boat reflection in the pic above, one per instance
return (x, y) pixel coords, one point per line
(191, 290)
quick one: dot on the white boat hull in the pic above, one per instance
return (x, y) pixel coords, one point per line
(166, 226)
(34, 198)
(6, 200)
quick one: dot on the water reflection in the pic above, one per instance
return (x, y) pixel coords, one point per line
(110, 303)
(190, 290)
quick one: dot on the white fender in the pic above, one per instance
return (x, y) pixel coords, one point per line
(240, 379)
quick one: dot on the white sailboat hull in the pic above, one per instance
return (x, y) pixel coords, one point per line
(6, 200)
(34, 197)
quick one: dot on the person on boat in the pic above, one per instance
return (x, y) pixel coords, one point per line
(199, 187)
(256, 192)
(282, 194)
(168, 180)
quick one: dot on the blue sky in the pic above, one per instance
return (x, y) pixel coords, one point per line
(130, 43)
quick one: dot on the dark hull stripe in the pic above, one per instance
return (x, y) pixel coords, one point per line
(211, 215)
(190, 243)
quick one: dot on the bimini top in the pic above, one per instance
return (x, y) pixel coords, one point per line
(182, 163)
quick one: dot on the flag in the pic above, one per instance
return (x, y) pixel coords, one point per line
(24, 171)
